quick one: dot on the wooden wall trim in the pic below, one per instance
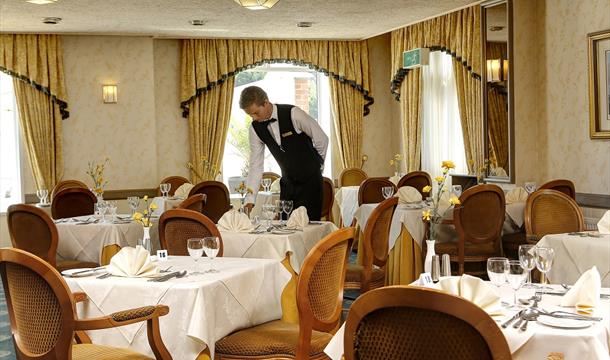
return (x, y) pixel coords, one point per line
(599, 201)
(108, 194)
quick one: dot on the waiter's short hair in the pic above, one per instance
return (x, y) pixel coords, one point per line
(252, 95)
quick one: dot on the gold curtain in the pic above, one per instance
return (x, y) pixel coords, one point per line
(35, 62)
(497, 112)
(211, 63)
(458, 34)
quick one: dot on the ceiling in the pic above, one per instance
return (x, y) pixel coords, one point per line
(332, 19)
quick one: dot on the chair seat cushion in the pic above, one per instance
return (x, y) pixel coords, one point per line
(354, 273)
(101, 352)
(470, 249)
(271, 338)
(74, 264)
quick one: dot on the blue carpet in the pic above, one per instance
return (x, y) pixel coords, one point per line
(7, 351)
(349, 294)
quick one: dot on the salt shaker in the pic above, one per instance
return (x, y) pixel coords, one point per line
(446, 265)
(435, 268)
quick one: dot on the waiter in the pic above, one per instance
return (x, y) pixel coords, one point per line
(297, 143)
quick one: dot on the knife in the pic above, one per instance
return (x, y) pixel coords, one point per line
(509, 321)
(88, 270)
(603, 296)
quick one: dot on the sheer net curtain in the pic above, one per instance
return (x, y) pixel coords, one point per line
(442, 130)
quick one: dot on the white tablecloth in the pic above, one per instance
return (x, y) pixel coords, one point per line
(574, 255)
(262, 198)
(347, 200)
(592, 343)
(272, 246)
(203, 308)
(85, 242)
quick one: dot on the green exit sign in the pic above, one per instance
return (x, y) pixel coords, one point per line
(415, 58)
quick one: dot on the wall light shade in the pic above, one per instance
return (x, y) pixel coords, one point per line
(41, 2)
(497, 70)
(110, 94)
(257, 4)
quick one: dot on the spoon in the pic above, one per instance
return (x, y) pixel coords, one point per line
(528, 315)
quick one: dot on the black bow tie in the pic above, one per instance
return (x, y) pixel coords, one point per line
(272, 120)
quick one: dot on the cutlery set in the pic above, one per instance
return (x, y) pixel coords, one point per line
(175, 274)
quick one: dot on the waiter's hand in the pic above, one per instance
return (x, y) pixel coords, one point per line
(248, 207)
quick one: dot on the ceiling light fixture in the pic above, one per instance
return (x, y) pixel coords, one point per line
(196, 22)
(51, 20)
(257, 4)
(41, 2)
(304, 24)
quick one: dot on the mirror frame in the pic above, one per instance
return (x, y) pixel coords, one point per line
(511, 122)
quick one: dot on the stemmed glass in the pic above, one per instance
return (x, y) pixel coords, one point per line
(42, 196)
(112, 206)
(457, 190)
(165, 188)
(287, 208)
(211, 245)
(516, 277)
(279, 208)
(268, 213)
(195, 248)
(266, 184)
(497, 269)
(528, 263)
(134, 203)
(544, 260)
(102, 206)
(530, 187)
(387, 192)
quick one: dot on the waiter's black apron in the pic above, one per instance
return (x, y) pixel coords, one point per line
(300, 163)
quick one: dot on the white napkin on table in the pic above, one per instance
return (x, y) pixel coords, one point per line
(408, 194)
(517, 194)
(233, 220)
(584, 295)
(298, 219)
(275, 186)
(132, 262)
(395, 179)
(183, 190)
(475, 290)
(603, 226)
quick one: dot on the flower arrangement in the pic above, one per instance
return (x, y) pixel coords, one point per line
(144, 217)
(96, 172)
(243, 190)
(434, 215)
(395, 162)
(207, 167)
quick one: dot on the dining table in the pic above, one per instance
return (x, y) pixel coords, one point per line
(262, 198)
(346, 201)
(203, 308)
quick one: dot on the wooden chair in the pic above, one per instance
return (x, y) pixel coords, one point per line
(328, 199)
(73, 202)
(319, 297)
(217, 198)
(561, 185)
(478, 222)
(371, 274)
(176, 226)
(551, 212)
(416, 179)
(269, 175)
(32, 230)
(195, 203)
(370, 190)
(67, 184)
(174, 181)
(352, 177)
(401, 322)
(43, 318)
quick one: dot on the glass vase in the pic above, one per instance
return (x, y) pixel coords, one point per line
(145, 242)
(429, 253)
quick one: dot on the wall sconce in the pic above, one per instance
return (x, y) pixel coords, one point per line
(110, 94)
(257, 4)
(497, 70)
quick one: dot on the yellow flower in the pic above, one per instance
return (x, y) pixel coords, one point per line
(454, 200)
(397, 157)
(153, 206)
(427, 189)
(439, 179)
(448, 164)
(426, 215)
(146, 212)
(145, 198)
(137, 216)
(392, 162)
(471, 162)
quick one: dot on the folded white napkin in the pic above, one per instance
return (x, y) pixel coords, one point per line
(275, 186)
(298, 219)
(395, 179)
(233, 220)
(499, 171)
(132, 262)
(603, 226)
(408, 194)
(475, 290)
(584, 295)
(183, 190)
(516, 195)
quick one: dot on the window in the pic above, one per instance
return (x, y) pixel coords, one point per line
(10, 181)
(284, 84)
(442, 137)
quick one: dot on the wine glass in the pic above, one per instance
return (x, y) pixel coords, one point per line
(211, 246)
(102, 207)
(544, 260)
(530, 187)
(528, 262)
(457, 190)
(268, 213)
(516, 277)
(287, 208)
(195, 249)
(497, 268)
(112, 206)
(387, 192)
(42, 196)
(165, 188)
(279, 208)
(134, 203)
(266, 184)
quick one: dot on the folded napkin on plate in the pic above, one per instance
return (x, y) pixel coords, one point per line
(298, 219)
(275, 186)
(475, 290)
(584, 295)
(408, 194)
(516, 195)
(603, 226)
(233, 220)
(395, 179)
(183, 190)
(132, 262)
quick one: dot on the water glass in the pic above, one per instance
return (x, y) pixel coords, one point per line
(211, 246)
(134, 203)
(102, 207)
(497, 269)
(266, 184)
(457, 190)
(530, 187)
(279, 208)
(516, 278)
(387, 191)
(287, 207)
(544, 260)
(112, 206)
(527, 258)
(165, 188)
(42, 196)
(195, 249)
(268, 213)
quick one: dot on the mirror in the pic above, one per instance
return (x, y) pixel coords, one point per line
(497, 88)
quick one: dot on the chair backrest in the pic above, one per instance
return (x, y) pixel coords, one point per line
(551, 212)
(328, 199)
(370, 190)
(320, 286)
(174, 181)
(269, 175)
(195, 203)
(561, 185)
(376, 234)
(40, 306)
(217, 202)
(32, 230)
(416, 179)
(67, 184)
(386, 323)
(73, 202)
(352, 177)
(176, 226)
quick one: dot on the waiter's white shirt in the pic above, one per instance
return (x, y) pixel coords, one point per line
(303, 123)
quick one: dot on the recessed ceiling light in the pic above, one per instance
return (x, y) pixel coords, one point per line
(304, 24)
(196, 22)
(41, 2)
(257, 4)
(51, 20)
